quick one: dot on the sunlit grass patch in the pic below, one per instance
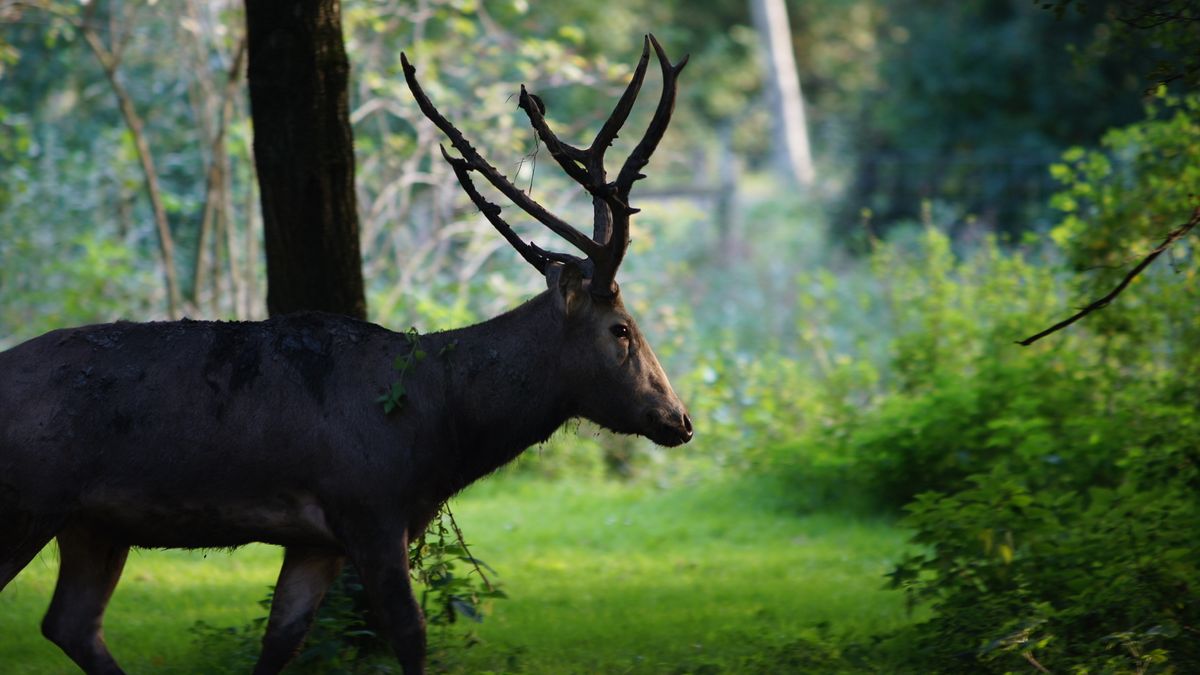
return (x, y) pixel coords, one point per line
(608, 578)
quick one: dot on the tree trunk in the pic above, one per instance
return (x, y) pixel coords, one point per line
(303, 149)
(791, 154)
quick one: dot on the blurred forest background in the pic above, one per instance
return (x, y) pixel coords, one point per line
(882, 481)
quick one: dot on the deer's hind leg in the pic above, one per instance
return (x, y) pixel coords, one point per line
(90, 566)
(381, 555)
(303, 580)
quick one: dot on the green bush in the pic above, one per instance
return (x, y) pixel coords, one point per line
(929, 388)
(1072, 548)
(932, 389)
(1099, 581)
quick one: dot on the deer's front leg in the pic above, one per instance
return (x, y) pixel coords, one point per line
(381, 555)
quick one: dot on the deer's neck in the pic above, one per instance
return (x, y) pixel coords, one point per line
(502, 389)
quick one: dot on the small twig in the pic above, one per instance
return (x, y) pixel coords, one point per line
(462, 540)
(531, 156)
(533, 168)
(1175, 235)
(1034, 662)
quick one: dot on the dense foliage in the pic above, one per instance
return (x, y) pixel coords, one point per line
(1089, 564)
(1054, 489)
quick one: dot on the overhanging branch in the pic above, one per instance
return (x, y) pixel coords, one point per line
(1174, 236)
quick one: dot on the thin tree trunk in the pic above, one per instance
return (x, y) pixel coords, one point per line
(792, 156)
(225, 213)
(109, 61)
(249, 270)
(726, 202)
(303, 150)
(215, 177)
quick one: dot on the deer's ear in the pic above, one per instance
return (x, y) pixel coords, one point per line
(566, 284)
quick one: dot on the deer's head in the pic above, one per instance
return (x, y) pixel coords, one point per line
(613, 373)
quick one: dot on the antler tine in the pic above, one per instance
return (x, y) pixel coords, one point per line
(618, 200)
(473, 161)
(531, 252)
(608, 132)
(581, 165)
(586, 167)
(568, 156)
(492, 212)
(630, 172)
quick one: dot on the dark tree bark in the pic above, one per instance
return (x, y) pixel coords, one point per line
(303, 148)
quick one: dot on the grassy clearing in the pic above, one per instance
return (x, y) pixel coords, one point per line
(602, 578)
(607, 578)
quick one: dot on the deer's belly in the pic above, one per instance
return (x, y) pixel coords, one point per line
(284, 519)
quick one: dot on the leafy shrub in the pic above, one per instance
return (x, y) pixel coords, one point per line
(1099, 581)
(449, 584)
(1072, 547)
(454, 583)
(931, 387)
(949, 395)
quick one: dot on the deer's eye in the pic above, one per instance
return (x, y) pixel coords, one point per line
(619, 330)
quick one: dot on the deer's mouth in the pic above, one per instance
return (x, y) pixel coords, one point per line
(668, 427)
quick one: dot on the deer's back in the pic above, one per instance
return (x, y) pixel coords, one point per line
(232, 427)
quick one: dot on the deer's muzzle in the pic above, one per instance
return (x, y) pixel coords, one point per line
(669, 427)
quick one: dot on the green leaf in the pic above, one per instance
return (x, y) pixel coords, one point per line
(466, 609)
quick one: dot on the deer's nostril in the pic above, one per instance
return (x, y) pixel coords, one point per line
(687, 424)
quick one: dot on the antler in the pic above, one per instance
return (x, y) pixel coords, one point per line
(605, 249)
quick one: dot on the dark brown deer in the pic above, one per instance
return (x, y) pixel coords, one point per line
(207, 434)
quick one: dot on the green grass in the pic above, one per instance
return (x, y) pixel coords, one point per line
(601, 578)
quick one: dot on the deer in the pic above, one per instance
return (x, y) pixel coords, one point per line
(203, 434)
